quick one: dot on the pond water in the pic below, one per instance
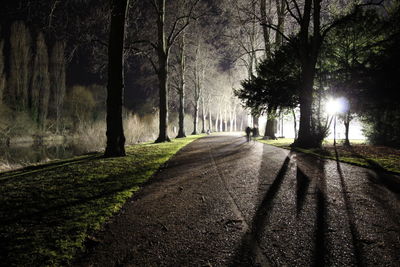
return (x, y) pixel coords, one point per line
(20, 155)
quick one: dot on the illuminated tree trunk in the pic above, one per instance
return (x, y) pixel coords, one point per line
(209, 117)
(182, 65)
(294, 124)
(225, 120)
(203, 116)
(266, 31)
(220, 121)
(197, 89)
(255, 124)
(347, 128)
(270, 125)
(196, 114)
(115, 132)
(216, 122)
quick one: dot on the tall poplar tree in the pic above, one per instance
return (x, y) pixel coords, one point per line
(40, 88)
(20, 57)
(57, 78)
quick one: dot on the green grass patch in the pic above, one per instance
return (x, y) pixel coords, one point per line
(47, 211)
(360, 153)
(280, 142)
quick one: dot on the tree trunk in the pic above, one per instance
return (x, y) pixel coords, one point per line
(225, 120)
(305, 138)
(270, 126)
(209, 119)
(270, 129)
(235, 122)
(230, 121)
(181, 131)
(255, 124)
(266, 31)
(203, 116)
(294, 124)
(182, 63)
(220, 121)
(115, 133)
(216, 122)
(347, 127)
(280, 12)
(309, 50)
(162, 50)
(196, 117)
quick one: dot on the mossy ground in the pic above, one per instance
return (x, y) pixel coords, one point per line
(360, 153)
(48, 211)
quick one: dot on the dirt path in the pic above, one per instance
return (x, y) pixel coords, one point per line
(224, 202)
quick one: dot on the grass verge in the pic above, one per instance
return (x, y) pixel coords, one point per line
(47, 211)
(360, 154)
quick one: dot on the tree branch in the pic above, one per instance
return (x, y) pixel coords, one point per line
(145, 42)
(273, 27)
(172, 35)
(346, 18)
(298, 19)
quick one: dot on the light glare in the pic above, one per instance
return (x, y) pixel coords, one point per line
(336, 105)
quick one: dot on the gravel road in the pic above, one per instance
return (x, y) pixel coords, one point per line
(224, 202)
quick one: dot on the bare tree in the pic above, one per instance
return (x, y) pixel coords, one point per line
(182, 85)
(20, 56)
(168, 30)
(115, 86)
(198, 83)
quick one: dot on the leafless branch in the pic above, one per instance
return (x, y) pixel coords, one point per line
(173, 35)
(153, 45)
(297, 18)
(273, 27)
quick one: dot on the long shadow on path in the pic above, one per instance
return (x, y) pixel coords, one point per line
(250, 252)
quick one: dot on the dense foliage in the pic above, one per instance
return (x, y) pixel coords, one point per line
(276, 84)
(358, 61)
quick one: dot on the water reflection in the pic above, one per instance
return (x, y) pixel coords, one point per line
(25, 154)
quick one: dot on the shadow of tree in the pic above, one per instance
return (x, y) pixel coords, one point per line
(355, 235)
(250, 252)
(29, 170)
(302, 185)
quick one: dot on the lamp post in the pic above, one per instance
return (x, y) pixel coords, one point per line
(334, 131)
(333, 107)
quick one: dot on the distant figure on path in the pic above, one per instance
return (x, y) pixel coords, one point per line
(248, 131)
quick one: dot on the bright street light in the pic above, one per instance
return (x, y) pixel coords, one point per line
(336, 105)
